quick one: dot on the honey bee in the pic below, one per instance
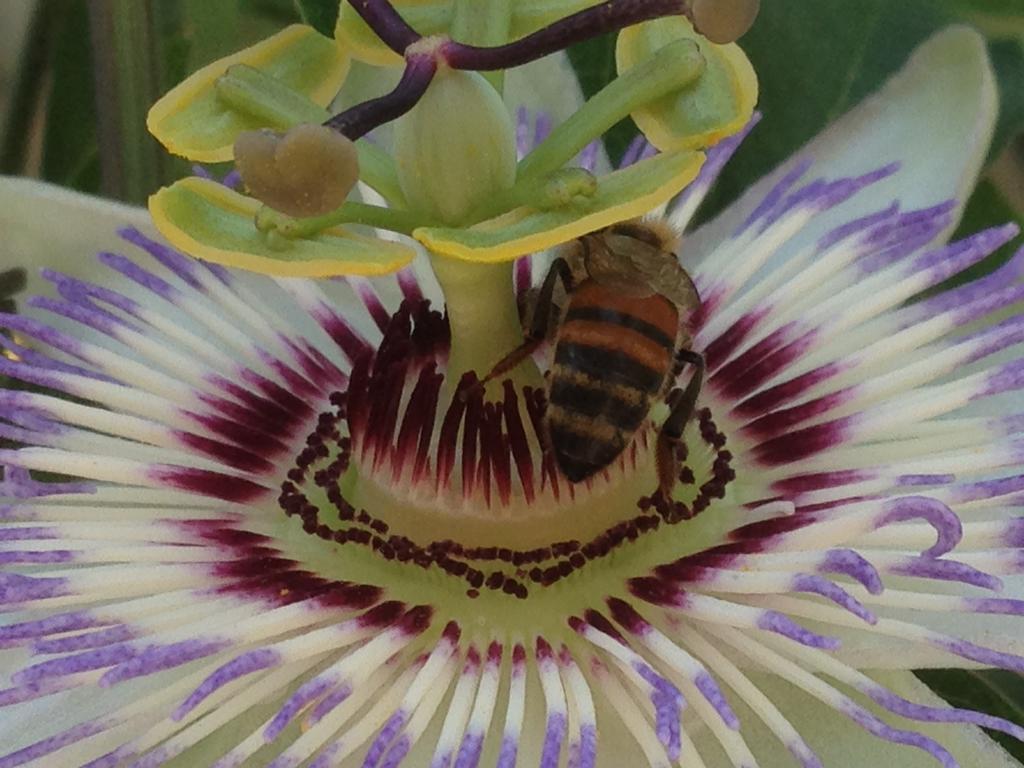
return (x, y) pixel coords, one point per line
(620, 343)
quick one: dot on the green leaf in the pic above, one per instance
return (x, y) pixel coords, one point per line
(70, 152)
(996, 18)
(992, 691)
(992, 7)
(12, 282)
(322, 15)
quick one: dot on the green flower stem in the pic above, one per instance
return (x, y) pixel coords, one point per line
(485, 23)
(483, 316)
(671, 68)
(126, 78)
(246, 89)
(269, 220)
(561, 188)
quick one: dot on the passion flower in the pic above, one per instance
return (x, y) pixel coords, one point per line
(289, 530)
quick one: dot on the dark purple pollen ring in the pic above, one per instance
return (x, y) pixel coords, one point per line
(380, 423)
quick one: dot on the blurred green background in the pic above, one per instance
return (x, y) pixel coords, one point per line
(77, 76)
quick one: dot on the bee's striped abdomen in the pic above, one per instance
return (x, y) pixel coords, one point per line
(612, 355)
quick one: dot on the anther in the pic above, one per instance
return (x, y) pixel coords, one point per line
(723, 21)
(308, 171)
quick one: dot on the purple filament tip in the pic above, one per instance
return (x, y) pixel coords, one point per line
(853, 564)
(158, 658)
(308, 692)
(772, 621)
(508, 752)
(947, 525)
(387, 734)
(554, 735)
(247, 663)
(816, 585)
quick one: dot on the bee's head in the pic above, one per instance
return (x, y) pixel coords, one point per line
(657, 233)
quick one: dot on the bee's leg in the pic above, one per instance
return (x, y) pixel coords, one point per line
(682, 403)
(540, 322)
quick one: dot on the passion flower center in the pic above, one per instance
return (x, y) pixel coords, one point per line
(463, 482)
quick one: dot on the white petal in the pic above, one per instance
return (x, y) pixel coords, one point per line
(998, 632)
(548, 86)
(44, 225)
(935, 117)
(839, 742)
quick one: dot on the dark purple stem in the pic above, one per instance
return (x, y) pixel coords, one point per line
(421, 64)
(609, 16)
(363, 118)
(385, 22)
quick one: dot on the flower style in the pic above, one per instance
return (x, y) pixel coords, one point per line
(289, 535)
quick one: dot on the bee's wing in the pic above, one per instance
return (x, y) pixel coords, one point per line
(660, 269)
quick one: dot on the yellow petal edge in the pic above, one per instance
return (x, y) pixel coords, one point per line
(428, 17)
(638, 42)
(190, 120)
(621, 195)
(212, 222)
